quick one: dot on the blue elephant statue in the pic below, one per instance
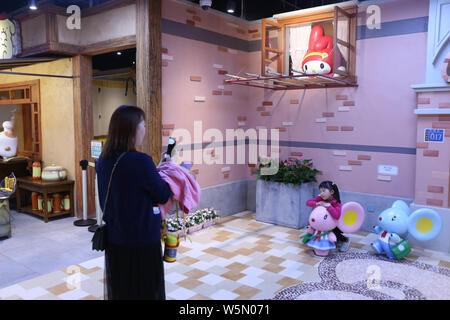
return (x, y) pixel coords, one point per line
(396, 224)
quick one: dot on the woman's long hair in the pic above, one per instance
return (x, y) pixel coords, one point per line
(122, 131)
(331, 186)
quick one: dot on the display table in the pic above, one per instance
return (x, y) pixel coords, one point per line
(45, 188)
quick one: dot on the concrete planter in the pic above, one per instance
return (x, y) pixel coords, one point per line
(195, 228)
(209, 223)
(283, 204)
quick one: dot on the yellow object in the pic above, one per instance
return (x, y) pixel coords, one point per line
(66, 202)
(424, 225)
(36, 170)
(171, 245)
(49, 205)
(172, 239)
(9, 184)
(40, 203)
(350, 218)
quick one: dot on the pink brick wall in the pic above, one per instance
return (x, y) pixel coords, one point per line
(377, 113)
(433, 158)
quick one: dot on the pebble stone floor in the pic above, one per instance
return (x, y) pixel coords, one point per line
(238, 258)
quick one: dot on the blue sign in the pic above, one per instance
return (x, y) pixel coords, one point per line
(434, 135)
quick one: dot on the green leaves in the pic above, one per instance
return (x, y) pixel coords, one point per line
(290, 171)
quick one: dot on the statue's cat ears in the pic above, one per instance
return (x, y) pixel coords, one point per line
(423, 224)
(352, 217)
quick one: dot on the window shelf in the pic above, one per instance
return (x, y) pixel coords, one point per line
(284, 82)
(285, 44)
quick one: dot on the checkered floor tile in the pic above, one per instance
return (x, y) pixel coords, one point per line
(238, 258)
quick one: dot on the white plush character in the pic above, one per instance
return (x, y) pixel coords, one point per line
(8, 140)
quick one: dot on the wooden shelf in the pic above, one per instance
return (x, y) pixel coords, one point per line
(283, 82)
(45, 188)
(28, 209)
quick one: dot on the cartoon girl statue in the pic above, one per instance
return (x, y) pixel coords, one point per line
(8, 140)
(320, 55)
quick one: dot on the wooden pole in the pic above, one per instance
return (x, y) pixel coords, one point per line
(84, 130)
(149, 73)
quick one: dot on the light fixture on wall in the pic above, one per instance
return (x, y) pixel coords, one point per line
(32, 5)
(231, 6)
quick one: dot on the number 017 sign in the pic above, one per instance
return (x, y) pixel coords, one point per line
(434, 135)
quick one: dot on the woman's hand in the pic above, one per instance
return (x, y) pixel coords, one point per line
(164, 158)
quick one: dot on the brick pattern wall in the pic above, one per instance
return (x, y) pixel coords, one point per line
(433, 158)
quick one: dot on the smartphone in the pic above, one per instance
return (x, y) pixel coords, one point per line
(171, 146)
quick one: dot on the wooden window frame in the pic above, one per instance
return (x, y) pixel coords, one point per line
(31, 116)
(314, 17)
(265, 49)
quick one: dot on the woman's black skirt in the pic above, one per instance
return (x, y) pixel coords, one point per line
(134, 273)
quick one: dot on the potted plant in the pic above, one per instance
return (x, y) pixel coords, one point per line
(193, 223)
(210, 217)
(174, 225)
(281, 197)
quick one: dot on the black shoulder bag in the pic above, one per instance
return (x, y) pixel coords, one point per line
(100, 238)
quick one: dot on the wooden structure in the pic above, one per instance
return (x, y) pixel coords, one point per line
(44, 32)
(149, 77)
(46, 188)
(26, 94)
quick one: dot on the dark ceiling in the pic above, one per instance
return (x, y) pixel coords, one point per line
(258, 9)
(12, 7)
(247, 9)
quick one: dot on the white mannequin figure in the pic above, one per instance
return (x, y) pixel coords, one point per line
(8, 140)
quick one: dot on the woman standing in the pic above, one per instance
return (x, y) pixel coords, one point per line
(133, 257)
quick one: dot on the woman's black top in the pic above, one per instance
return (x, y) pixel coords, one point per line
(136, 187)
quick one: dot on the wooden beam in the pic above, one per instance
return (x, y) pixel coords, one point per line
(51, 27)
(84, 130)
(149, 72)
(31, 51)
(116, 44)
(50, 48)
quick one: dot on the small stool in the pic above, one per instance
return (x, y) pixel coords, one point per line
(5, 218)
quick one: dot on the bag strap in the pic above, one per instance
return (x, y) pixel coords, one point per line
(110, 179)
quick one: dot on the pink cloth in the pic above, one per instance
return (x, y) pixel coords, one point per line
(184, 187)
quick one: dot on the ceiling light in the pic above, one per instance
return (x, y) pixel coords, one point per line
(119, 53)
(231, 6)
(32, 5)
